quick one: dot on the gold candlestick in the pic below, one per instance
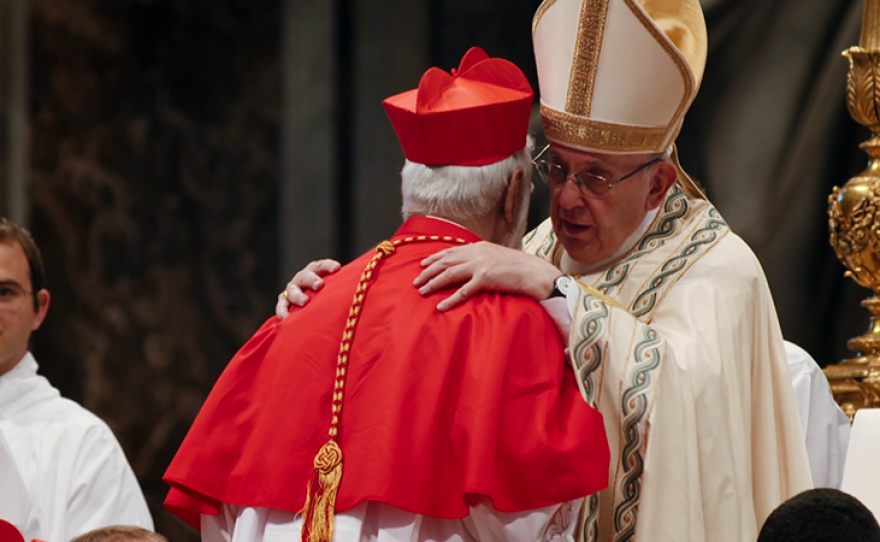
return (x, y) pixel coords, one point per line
(854, 221)
(870, 39)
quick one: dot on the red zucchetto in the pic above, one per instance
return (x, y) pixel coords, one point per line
(475, 116)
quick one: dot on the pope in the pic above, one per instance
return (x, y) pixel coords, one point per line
(670, 322)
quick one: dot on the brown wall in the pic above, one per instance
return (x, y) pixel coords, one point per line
(154, 155)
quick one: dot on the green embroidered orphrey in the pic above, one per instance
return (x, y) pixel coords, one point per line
(683, 230)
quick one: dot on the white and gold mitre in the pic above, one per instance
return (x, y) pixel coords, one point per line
(618, 76)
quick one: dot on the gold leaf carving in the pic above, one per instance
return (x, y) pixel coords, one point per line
(863, 86)
(854, 224)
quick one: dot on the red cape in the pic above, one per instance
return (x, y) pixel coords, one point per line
(438, 406)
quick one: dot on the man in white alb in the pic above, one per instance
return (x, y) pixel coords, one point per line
(74, 471)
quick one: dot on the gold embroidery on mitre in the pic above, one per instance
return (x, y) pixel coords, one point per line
(676, 56)
(574, 127)
(585, 63)
(542, 9)
(600, 136)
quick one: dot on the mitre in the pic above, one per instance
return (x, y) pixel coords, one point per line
(618, 76)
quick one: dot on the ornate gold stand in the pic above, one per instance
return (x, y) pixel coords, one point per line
(856, 382)
(854, 221)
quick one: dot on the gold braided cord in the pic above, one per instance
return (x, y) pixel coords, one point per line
(319, 509)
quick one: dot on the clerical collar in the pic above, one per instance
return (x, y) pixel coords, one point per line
(573, 267)
(25, 368)
(22, 386)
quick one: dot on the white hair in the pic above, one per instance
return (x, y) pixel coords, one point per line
(460, 193)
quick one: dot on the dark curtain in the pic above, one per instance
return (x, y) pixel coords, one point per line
(769, 135)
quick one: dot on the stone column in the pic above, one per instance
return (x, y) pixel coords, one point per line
(390, 54)
(13, 108)
(308, 140)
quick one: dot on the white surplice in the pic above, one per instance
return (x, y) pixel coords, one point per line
(826, 427)
(15, 502)
(380, 522)
(677, 343)
(74, 470)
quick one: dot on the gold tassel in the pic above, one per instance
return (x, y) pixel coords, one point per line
(319, 522)
(319, 510)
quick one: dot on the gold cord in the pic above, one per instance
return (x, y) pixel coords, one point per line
(319, 509)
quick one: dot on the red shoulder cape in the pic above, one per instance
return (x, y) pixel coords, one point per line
(438, 406)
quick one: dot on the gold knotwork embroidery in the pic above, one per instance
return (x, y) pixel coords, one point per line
(542, 9)
(581, 132)
(585, 63)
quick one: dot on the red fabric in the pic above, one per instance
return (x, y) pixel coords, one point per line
(9, 532)
(477, 400)
(476, 116)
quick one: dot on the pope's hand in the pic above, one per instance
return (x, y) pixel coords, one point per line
(486, 267)
(308, 278)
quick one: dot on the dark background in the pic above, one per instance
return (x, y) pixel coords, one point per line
(187, 156)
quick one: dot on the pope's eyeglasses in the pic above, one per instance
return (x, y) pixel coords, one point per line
(590, 185)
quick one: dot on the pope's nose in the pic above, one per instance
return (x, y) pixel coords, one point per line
(569, 195)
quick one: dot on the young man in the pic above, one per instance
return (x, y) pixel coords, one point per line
(72, 466)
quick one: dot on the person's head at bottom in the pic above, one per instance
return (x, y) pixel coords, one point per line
(120, 533)
(821, 515)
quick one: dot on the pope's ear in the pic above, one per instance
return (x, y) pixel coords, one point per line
(513, 195)
(664, 177)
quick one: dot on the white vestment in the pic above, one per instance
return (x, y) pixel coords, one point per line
(677, 343)
(74, 469)
(380, 522)
(826, 427)
(15, 501)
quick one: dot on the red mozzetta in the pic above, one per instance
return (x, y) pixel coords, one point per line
(438, 406)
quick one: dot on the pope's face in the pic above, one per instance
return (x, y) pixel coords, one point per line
(18, 317)
(593, 228)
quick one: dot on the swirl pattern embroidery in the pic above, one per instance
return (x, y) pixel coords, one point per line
(674, 210)
(588, 352)
(701, 239)
(529, 237)
(591, 519)
(546, 248)
(634, 408)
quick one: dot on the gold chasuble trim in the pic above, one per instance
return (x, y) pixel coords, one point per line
(319, 510)
(580, 132)
(586, 57)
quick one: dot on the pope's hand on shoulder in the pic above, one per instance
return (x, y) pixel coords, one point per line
(485, 267)
(308, 278)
